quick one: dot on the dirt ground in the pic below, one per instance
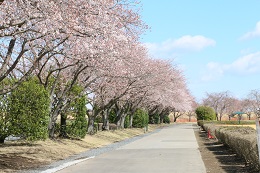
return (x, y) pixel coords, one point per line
(219, 158)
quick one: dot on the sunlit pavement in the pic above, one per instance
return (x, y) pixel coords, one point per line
(173, 149)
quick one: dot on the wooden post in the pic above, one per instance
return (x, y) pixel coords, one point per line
(258, 136)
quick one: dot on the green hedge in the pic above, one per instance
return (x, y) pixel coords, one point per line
(240, 139)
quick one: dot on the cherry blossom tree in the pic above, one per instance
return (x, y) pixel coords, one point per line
(247, 107)
(120, 79)
(191, 112)
(254, 97)
(94, 44)
(233, 106)
(219, 102)
(170, 93)
(143, 82)
(28, 31)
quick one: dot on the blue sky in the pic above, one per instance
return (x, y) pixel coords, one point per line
(216, 43)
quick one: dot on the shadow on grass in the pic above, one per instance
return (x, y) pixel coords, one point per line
(14, 162)
(18, 144)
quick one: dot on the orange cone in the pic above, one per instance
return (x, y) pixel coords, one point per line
(209, 135)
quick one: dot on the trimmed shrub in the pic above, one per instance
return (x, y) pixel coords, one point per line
(140, 118)
(166, 119)
(205, 113)
(78, 127)
(112, 116)
(5, 118)
(29, 111)
(154, 119)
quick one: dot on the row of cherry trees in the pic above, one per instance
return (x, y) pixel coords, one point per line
(224, 103)
(92, 44)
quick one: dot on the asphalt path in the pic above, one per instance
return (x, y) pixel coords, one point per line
(171, 150)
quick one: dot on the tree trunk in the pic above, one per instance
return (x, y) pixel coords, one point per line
(105, 120)
(118, 118)
(162, 118)
(105, 125)
(239, 118)
(63, 126)
(91, 128)
(2, 139)
(52, 130)
(53, 119)
(217, 116)
(249, 116)
(122, 121)
(131, 120)
(52, 123)
(174, 117)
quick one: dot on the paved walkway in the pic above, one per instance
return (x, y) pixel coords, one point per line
(171, 150)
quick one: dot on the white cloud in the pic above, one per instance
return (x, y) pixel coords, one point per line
(246, 65)
(185, 43)
(252, 34)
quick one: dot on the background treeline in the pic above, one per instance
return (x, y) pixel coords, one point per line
(228, 107)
